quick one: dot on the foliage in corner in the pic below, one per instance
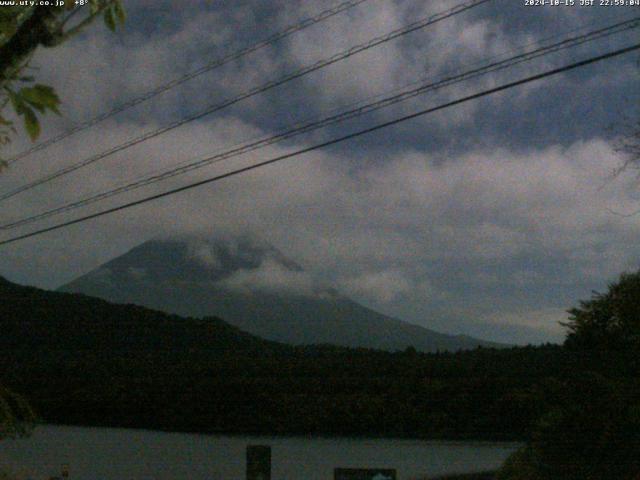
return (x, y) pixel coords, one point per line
(26, 102)
(591, 426)
(22, 30)
(17, 419)
(608, 321)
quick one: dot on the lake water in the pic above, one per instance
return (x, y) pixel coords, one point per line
(119, 454)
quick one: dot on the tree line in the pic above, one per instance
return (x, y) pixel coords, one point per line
(84, 361)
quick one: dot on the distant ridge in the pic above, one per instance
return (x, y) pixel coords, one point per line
(79, 360)
(255, 287)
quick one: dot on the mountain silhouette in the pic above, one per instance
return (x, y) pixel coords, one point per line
(255, 287)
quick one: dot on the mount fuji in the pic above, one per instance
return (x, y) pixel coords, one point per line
(253, 286)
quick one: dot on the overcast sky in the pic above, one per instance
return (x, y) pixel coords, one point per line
(491, 218)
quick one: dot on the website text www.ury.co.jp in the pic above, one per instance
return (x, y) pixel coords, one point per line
(33, 3)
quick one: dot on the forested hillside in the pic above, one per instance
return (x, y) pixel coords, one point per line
(84, 361)
(81, 360)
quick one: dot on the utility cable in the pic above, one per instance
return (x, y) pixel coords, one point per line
(420, 24)
(333, 141)
(305, 128)
(218, 62)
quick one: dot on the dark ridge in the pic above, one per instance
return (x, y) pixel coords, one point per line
(85, 361)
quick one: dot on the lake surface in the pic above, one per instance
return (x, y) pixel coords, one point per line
(120, 454)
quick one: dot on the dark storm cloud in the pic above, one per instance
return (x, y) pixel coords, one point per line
(487, 214)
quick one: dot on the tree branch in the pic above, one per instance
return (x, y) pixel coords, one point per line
(33, 32)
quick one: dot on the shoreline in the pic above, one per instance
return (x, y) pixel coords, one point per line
(293, 436)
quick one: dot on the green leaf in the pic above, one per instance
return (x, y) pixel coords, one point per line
(37, 106)
(110, 19)
(16, 101)
(94, 6)
(7, 27)
(41, 97)
(119, 12)
(31, 123)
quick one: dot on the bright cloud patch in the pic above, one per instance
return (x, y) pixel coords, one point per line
(271, 277)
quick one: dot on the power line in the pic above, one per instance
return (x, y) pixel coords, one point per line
(218, 62)
(345, 115)
(527, 56)
(420, 24)
(334, 141)
(394, 90)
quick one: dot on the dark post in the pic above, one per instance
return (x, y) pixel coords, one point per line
(258, 462)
